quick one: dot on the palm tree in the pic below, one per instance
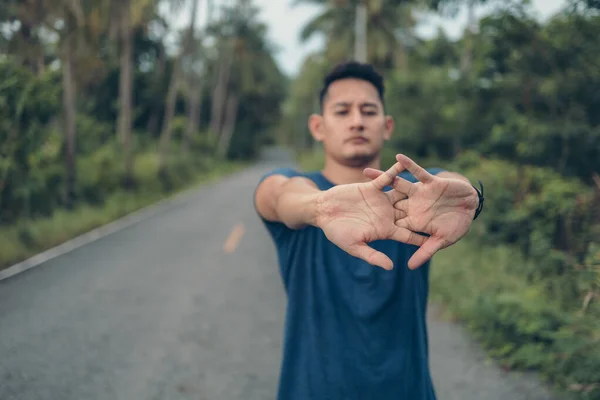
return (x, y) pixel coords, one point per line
(72, 17)
(76, 30)
(466, 60)
(388, 22)
(187, 50)
(129, 15)
(196, 82)
(69, 19)
(450, 7)
(243, 69)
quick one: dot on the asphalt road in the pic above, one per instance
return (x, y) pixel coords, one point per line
(185, 305)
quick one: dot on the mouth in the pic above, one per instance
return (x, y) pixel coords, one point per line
(357, 140)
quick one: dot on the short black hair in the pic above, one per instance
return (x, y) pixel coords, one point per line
(356, 70)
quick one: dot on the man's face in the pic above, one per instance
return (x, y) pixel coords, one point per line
(352, 126)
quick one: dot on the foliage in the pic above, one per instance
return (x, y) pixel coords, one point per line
(520, 323)
(28, 144)
(29, 237)
(64, 89)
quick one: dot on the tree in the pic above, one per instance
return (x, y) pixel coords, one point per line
(247, 80)
(129, 15)
(187, 50)
(389, 26)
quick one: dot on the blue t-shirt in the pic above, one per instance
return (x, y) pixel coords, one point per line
(353, 331)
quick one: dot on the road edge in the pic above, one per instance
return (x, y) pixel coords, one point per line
(102, 231)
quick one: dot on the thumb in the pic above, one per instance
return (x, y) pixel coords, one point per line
(370, 255)
(431, 246)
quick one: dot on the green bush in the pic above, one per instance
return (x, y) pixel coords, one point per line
(521, 324)
(31, 236)
(99, 174)
(28, 148)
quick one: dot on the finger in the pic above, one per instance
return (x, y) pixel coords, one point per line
(431, 246)
(408, 237)
(400, 185)
(393, 195)
(402, 223)
(402, 205)
(420, 173)
(388, 177)
(372, 173)
(399, 214)
(370, 255)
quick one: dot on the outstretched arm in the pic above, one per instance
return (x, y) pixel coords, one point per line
(351, 216)
(291, 201)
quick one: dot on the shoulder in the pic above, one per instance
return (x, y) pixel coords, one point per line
(281, 171)
(269, 187)
(411, 178)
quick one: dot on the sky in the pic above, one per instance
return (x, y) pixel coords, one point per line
(286, 21)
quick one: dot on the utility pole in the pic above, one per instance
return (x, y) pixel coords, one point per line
(360, 32)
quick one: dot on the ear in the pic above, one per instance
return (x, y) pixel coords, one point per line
(315, 124)
(389, 127)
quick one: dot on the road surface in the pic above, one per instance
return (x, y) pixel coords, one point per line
(187, 304)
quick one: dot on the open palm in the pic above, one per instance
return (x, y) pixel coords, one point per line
(353, 215)
(443, 208)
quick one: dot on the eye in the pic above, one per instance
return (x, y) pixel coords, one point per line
(341, 112)
(370, 112)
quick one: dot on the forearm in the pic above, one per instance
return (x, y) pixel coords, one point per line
(296, 203)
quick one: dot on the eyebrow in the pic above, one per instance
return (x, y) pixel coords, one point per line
(346, 104)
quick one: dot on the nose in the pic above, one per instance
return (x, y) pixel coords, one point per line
(357, 120)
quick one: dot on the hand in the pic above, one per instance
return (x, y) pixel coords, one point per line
(355, 214)
(440, 207)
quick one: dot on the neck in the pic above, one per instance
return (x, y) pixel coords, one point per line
(340, 174)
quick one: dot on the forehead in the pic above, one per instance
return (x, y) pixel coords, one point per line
(352, 90)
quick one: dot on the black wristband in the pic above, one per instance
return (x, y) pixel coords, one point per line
(480, 195)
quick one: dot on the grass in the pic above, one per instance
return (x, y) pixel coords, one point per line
(29, 237)
(517, 322)
(470, 270)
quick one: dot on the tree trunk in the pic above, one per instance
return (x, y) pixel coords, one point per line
(466, 60)
(360, 33)
(228, 126)
(165, 136)
(196, 84)
(125, 91)
(41, 63)
(192, 28)
(220, 92)
(401, 58)
(69, 109)
(152, 126)
(187, 53)
(466, 65)
(195, 106)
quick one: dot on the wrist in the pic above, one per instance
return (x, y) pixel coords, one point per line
(316, 207)
(480, 200)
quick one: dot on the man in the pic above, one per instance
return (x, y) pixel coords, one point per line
(354, 330)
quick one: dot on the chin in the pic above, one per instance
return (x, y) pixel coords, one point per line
(358, 160)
